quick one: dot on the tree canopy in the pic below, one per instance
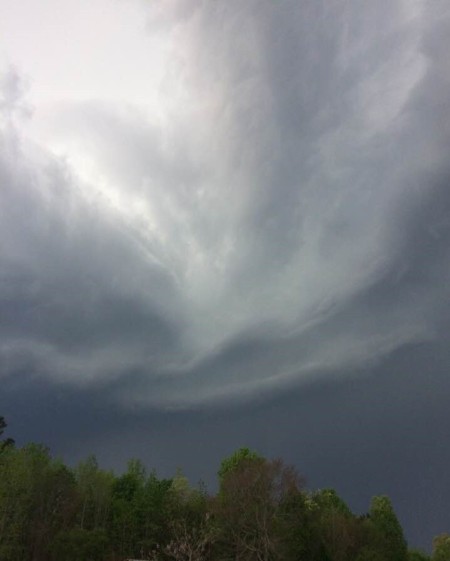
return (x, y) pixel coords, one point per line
(262, 512)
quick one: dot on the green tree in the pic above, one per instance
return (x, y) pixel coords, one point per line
(125, 509)
(417, 555)
(387, 532)
(191, 528)
(78, 544)
(441, 548)
(36, 502)
(140, 512)
(368, 554)
(155, 512)
(95, 494)
(335, 527)
(239, 458)
(252, 493)
(329, 501)
(298, 532)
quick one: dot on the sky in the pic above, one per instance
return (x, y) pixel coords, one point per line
(227, 224)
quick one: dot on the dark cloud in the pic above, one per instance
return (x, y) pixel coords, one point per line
(299, 226)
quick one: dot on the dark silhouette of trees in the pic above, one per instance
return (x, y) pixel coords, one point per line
(7, 442)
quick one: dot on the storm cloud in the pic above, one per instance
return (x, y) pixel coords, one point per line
(274, 223)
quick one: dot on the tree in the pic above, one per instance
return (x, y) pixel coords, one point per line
(336, 527)
(187, 543)
(8, 441)
(140, 512)
(37, 498)
(235, 462)
(298, 532)
(126, 513)
(78, 544)
(441, 548)
(252, 491)
(95, 493)
(417, 555)
(387, 532)
(368, 554)
(154, 511)
(192, 530)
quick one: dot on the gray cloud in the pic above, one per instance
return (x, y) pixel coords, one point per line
(285, 220)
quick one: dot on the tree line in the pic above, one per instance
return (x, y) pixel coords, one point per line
(261, 512)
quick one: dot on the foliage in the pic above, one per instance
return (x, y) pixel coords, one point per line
(250, 504)
(242, 456)
(78, 544)
(94, 493)
(417, 555)
(49, 512)
(334, 525)
(8, 441)
(441, 548)
(388, 532)
(37, 500)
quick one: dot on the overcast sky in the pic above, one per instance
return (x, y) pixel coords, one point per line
(225, 224)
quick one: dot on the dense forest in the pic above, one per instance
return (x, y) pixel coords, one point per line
(261, 512)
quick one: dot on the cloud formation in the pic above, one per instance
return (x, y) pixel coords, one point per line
(282, 215)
